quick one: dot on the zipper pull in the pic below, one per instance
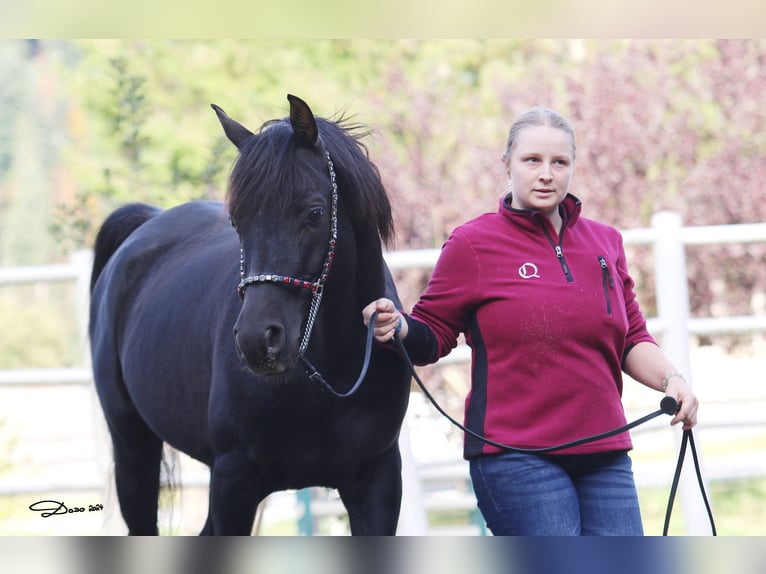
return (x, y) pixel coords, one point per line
(564, 266)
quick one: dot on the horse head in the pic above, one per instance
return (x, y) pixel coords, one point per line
(282, 202)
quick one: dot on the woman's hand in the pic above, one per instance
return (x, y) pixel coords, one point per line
(386, 321)
(679, 389)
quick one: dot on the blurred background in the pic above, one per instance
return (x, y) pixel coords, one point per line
(661, 125)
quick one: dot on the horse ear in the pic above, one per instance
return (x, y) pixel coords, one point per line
(303, 122)
(236, 132)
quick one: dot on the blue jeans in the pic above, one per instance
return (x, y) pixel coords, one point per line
(557, 495)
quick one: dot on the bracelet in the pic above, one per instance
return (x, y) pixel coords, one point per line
(398, 326)
(667, 378)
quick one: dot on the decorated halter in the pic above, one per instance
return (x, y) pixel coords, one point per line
(316, 287)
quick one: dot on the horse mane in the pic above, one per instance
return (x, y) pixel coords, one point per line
(268, 171)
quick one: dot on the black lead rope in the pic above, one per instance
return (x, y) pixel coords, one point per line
(687, 437)
(668, 406)
(316, 376)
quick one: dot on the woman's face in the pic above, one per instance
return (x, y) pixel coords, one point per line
(540, 166)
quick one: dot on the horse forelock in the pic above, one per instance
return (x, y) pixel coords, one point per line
(265, 173)
(261, 174)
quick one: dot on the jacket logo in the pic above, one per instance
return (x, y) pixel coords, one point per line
(528, 270)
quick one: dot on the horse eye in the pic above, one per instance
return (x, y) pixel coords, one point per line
(233, 223)
(316, 215)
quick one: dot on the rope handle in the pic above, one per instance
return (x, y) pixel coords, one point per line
(668, 406)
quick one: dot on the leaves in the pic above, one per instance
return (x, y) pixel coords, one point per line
(660, 124)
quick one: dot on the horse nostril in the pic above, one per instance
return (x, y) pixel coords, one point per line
(274, 338)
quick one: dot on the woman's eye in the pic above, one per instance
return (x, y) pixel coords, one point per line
(316, 215)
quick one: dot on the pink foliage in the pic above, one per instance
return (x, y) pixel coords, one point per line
(661, 125)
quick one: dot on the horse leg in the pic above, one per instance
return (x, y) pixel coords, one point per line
(373, 498)
(235, 492)
(137, 461)
(207, 529)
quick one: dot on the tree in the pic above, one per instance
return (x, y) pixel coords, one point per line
(130, 174)
(661, 124)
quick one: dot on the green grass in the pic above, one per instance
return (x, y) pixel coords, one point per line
(739, 508)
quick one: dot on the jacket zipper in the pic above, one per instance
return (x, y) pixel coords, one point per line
(606, 281)
(559, 255)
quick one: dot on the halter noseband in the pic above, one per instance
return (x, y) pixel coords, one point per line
(316, 287)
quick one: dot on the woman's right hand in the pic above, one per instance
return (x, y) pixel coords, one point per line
(386, 321)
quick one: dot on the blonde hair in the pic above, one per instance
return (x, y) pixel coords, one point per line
(537, 116)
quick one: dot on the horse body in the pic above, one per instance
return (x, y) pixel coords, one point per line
(179, 358)
(159, 316)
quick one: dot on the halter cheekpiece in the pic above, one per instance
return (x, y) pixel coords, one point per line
(316, 287)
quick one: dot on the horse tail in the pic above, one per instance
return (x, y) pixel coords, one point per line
(115, 230)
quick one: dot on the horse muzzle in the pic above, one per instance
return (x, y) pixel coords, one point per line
(263, 350)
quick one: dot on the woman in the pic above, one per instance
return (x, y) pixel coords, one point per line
(545, 301)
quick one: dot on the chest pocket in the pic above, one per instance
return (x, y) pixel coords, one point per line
(607, 282)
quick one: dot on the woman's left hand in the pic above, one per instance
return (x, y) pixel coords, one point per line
(680, 390)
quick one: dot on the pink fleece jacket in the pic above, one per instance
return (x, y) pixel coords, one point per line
(549, 320)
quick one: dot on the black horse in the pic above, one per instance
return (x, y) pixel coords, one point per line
(234, 381)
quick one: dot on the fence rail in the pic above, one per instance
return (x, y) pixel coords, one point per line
(666, 235)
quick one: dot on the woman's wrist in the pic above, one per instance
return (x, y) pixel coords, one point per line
(669, 376)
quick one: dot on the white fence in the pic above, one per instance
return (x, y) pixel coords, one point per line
(77, 271)
(672, 324)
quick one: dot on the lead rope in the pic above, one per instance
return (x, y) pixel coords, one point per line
(668, 405)
(688, 436)
(314, 374)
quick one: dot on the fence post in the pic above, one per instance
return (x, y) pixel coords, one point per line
(672, 292)
(413, 519)
(306, 521)
(82, 261)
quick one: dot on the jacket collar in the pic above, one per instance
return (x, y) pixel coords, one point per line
(533, 220)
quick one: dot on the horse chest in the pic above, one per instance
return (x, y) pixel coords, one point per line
(313, 431)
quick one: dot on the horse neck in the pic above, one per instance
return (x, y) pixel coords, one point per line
(370, 275)
(358, 283)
